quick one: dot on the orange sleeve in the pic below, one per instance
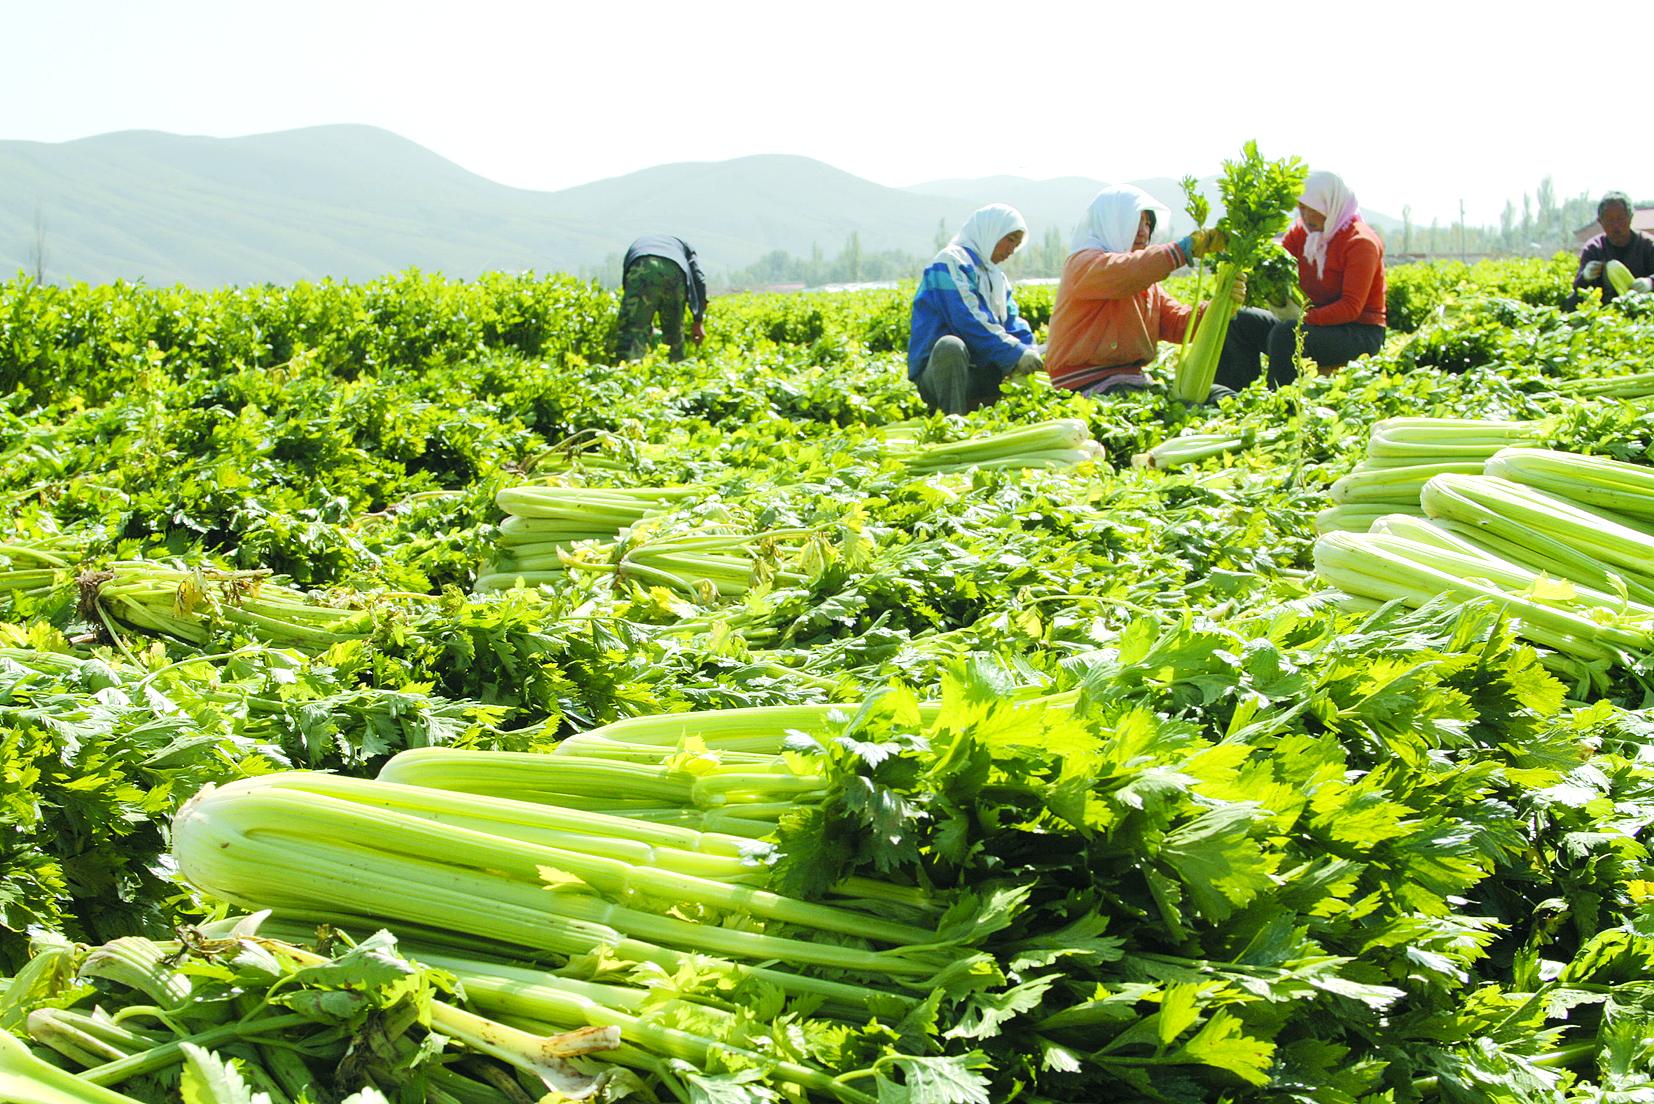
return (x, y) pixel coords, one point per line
(1174, 318)
(1095, 274)
(1361, 267)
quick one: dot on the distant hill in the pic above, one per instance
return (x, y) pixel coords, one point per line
(354, 202)
(735, 211)
(341, 201)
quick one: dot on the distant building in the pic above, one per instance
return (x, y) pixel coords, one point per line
(1641, 219)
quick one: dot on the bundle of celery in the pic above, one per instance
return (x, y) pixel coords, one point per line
(1595, 481)
(1638, 385)
(555, 917)
(706, 566)
(723, 792)
(1060, 443)
(1403, 454)
(543, 523)
(35, 569)
(529, 880)
(906, 434)
(589, 450)
(250, 1018)
(1187, 450)
(1258, 196)
(679, 1038)
(1551, 534)
(1402, 442)
(193, 605)
(720, 771)
(1512, 574)
(1566, 541)
(742, 735)
(1392, 563)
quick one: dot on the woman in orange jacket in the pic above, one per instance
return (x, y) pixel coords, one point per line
(1341, 271)
(1111, 313)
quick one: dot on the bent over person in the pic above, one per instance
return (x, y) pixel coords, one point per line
(967, 335)
(660, 277)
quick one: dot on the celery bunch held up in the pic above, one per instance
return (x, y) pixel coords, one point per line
(1258, 196)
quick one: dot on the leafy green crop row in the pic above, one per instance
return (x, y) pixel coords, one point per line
(94, 342)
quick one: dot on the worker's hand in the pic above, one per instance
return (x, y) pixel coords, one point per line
(1027, 364)
(1287, 312)
(1237, 294)
(1643, 285)
(1592, 270)
(697, 333)
(1207, 241)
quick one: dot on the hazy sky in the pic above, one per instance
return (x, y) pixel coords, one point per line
(1413, 103)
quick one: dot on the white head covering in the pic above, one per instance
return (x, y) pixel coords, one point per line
(1110, 223)
(980, 234)
(1327, 193)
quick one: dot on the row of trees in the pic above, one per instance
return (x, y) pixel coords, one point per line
(1543, 225)
(854, 264)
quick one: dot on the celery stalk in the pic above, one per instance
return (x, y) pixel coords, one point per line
(25, 1079)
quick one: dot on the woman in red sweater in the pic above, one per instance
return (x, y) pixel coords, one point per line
(1341, 271)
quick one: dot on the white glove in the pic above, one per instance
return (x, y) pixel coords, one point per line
(1027, 364)
(1287, 312)
(1592, 270)
(1643, 285)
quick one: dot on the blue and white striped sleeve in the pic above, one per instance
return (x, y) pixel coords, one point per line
(970, 320)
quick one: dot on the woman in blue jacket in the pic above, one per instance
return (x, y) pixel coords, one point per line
(967, 336)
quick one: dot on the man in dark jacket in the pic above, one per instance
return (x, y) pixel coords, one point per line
(661, 277)
(1617, 242)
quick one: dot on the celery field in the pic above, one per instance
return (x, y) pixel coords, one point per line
(401, 702)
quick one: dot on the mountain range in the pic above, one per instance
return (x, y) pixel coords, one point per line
(355, 202)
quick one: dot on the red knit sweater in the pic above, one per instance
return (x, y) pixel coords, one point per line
(1351, 286)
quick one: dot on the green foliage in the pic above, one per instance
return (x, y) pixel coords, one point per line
(1250, 846)
(1415, 292)
(1259, 196)
(101, 341)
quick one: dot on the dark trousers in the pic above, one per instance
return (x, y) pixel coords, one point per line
(1255, 334)
(951, 384)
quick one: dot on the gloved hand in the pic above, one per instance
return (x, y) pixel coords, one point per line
(697, 332)
(1643, 285)
(1237, 294)
(1202, 242)
(1027, 364)
(1287, 312)
(1592, 270)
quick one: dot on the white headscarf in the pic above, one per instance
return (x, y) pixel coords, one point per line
(980, 234)
(1110, 223)
(1327, 193)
